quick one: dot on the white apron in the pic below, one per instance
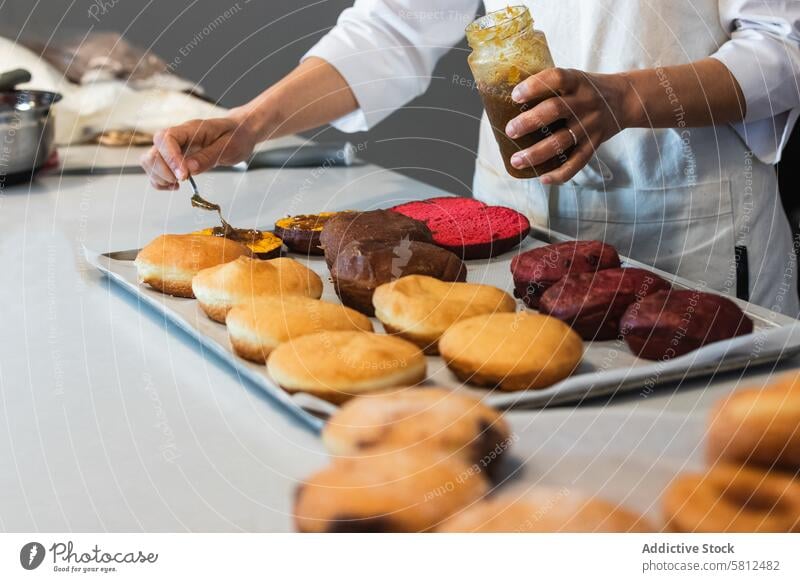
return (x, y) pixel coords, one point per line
(692, 201)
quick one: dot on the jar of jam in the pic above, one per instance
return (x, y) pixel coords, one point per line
(506, 49)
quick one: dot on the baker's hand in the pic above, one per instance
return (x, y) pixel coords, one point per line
(592, 105)
(194, 147)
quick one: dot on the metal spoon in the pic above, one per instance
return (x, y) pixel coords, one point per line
(199, 202)
(245, 235)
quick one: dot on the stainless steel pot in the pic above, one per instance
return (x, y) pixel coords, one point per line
(26, 129)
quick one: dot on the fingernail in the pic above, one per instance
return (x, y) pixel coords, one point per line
(546, 180)
(194, 165)
(518, 161)
(516, 94)
(179, 173)
(511, 129)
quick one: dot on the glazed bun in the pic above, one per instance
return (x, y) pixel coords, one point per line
(420, 308)
(170, 262)
(401, 492)
(219, 288)
(511, 351)
(337, 365)
(255, 328)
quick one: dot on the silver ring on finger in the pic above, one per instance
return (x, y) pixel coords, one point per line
(574, 137)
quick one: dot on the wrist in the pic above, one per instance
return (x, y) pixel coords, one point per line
(631, 109)
(258, 118)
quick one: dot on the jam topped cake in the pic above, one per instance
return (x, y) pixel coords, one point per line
(467, 227)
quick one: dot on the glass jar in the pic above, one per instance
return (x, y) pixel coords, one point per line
(506, 49)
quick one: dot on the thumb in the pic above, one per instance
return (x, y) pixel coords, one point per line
(206, 158)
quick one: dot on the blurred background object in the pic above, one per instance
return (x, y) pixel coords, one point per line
(233, 50)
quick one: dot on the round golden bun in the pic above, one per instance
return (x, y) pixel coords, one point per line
(758, 426)
(407, 418)
(219, 288)
(401, 492)
(337, 365)
(511, 351)
(420, 308)
(170, 262)
(257, 327)
(545, 510)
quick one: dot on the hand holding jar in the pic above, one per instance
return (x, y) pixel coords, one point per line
(588, 108)
(547, 121)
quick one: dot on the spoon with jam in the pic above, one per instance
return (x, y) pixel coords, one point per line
(242, 235)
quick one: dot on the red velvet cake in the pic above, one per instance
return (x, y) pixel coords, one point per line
(536, 270)
(593, 303)
(467, 227)
(669, 324)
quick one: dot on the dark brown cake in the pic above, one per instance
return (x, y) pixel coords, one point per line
(669, 324)
(362, 266)
(374, 225)
(592, 303)
(536, 270)
(301, 233)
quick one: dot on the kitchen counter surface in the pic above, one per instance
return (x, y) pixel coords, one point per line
(115, 420)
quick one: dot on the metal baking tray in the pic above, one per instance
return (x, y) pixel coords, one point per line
(608, 367)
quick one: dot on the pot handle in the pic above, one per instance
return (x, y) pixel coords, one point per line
(11, 79)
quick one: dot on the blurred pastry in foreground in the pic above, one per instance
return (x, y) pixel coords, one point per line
(255, 328)
(534, 271)
(733, 499)
(362, 266)
(337, 365)
(263, 244)
(669, 324)
(220, 288)
(511, 351)
(374, 225)
(401, 492)
(758, 426)
(420, 308)
(546, 510)
(170, 262)
(593, 303)
(413, 418)
(301, 233)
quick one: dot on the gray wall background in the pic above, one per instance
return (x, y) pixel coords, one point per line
(433, 139)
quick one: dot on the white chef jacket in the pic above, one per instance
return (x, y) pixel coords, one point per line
(699, 202)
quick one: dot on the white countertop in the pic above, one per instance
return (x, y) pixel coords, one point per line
(112, 419)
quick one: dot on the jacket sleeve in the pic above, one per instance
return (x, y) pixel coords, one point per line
(386, 50)
(763, 54)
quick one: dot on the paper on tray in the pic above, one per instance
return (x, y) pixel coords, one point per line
(763, 345)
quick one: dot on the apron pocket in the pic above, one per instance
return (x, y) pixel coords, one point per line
(688, 231)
